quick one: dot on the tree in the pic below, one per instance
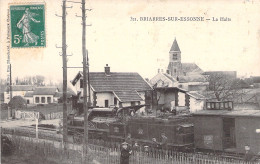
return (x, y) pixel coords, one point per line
(222, 87)
(17, 102)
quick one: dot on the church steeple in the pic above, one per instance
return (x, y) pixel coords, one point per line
(175, 46)
(174, 67)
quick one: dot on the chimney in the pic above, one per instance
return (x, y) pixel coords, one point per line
(168, 71)
(107, 69)
(158, 70)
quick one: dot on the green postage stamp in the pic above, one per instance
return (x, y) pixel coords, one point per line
(28, 25)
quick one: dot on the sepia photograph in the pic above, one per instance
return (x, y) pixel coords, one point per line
(130, 82)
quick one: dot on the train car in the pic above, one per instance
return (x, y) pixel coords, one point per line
(146, 130)
(220, 128)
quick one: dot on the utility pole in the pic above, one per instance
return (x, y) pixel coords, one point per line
(11, 91)
(85, 101)
(64, 61)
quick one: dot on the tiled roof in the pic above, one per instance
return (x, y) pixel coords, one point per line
(192, 78)
(169, 77)
(45, 91)
(229, 74)
(196, 95)
(256, 79)
(175, 46)
(117, 81)
(60, 94)
(191, 68)
(23, 87)
(127, 96)
(29, 94)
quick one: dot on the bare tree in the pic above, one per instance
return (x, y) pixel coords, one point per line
(223, 87)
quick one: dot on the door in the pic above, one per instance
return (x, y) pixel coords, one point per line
(106, 103)
(229, 138)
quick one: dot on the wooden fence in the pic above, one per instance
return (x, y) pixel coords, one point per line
(53, 150)
(27, 115)
(53, 115)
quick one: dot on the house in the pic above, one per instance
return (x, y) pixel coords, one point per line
(44, 95)
(196, 101)
(17, 90)
(169, 98)
(29, 97)
(254, 81)
(114, 88)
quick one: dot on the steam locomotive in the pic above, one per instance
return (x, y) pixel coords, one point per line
(217, 127)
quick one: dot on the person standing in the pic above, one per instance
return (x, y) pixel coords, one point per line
(125, 153)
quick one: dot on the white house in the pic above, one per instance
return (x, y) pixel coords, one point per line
(196, 101)
(45, 95)
(114, 88)
(17, 90)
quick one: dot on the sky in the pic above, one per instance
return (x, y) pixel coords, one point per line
(142, 46)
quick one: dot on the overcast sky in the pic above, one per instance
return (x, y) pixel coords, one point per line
(129, 46)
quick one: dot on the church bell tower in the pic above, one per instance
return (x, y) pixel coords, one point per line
(174, 67)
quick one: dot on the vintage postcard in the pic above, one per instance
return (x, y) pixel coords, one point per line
(118, 82)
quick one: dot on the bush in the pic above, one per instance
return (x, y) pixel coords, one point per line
(17, 102)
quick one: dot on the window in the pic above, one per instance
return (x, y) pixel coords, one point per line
(81, 83)
(28, 101)
(116, 129)
(43, 99)
(37, 99)
(115, 101)
(106, 103)
(48, 99)
(174, 57)
(132, 103)
(175, 71)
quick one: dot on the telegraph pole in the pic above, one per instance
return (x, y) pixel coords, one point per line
(64, 61)
(85, 101)
(11, 91)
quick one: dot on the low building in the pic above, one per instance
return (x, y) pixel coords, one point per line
(17, 90)
(169, 98)
(113, 88)
(29, 97)
(196, 101)
(45, 95)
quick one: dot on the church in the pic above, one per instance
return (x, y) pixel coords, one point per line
(188, 76)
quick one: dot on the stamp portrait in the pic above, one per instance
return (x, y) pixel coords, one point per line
(28, 25)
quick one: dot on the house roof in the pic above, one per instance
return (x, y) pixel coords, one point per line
(192, 78)
(23, 87)
(60, 94)
(256, 79)
(191, 68)
(230, 74)
(175, 46)
(115, 81)
(242, 113)
(45, 91)
(196, 95)
(164, 77)
(169, 77)
(29, 94)
(127, 96)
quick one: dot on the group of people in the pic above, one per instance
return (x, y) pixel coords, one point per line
(128, 146)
